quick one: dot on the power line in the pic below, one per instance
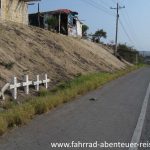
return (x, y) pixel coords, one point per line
(131, 25)
(125, 31)
(103, 5)
(113, 1)
(104, 2)
(130, 28)
(97, 6)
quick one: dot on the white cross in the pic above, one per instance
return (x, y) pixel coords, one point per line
(26, 84)
(14, 87)
(46, 81)
(37, 83)
(3, 90)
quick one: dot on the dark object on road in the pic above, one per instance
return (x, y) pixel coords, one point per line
(92, 99)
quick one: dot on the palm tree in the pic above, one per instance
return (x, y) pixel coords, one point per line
(99, 34)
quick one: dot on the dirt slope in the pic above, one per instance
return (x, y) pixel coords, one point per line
(30, 50)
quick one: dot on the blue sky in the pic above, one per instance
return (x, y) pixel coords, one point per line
(97, 14)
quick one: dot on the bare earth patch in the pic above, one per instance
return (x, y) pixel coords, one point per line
(30, 50)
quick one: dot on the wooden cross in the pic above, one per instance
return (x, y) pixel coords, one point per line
(26, 84)
(14, 87)
(46, 81)
(37, 83)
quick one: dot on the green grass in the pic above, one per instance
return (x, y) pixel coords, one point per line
(20, 114)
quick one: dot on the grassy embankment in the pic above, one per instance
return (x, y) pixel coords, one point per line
(17, 115)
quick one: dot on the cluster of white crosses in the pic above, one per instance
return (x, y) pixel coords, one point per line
(26, 84)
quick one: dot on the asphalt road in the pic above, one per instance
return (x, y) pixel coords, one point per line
(112, 117)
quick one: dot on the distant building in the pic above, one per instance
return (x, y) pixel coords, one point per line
(14, 10)
(68, 22)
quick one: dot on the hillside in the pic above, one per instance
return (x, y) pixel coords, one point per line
(30, 50)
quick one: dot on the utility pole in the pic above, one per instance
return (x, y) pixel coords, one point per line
(117, 19)
(137, 58)
(39, 23)
(59, 22)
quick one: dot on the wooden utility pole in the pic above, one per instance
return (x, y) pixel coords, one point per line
(117, 19)
(59, 22)
(116, 39)
(39, 23)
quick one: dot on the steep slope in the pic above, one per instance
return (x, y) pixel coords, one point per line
(30, 50)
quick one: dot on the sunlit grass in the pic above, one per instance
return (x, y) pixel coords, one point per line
(16, 115)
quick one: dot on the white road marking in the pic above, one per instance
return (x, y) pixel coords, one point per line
(138, 130)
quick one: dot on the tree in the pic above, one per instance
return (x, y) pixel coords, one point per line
(85, 28)
(128, 53)
(52, 23)
(98, 35)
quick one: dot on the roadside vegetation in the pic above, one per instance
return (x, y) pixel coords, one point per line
(96, 37)
(19, 114)
(130, 54)
(85, 29)
(52, 23)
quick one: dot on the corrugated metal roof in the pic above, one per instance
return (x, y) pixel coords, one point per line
(66, 11)
(62, 11)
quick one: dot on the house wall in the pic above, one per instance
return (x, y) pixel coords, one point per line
(72, 31)
(79, 28)
(14, 10)
(76, 29)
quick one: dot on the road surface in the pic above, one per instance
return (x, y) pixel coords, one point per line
(112, 117)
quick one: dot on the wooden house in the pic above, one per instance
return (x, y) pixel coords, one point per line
(68, 22)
